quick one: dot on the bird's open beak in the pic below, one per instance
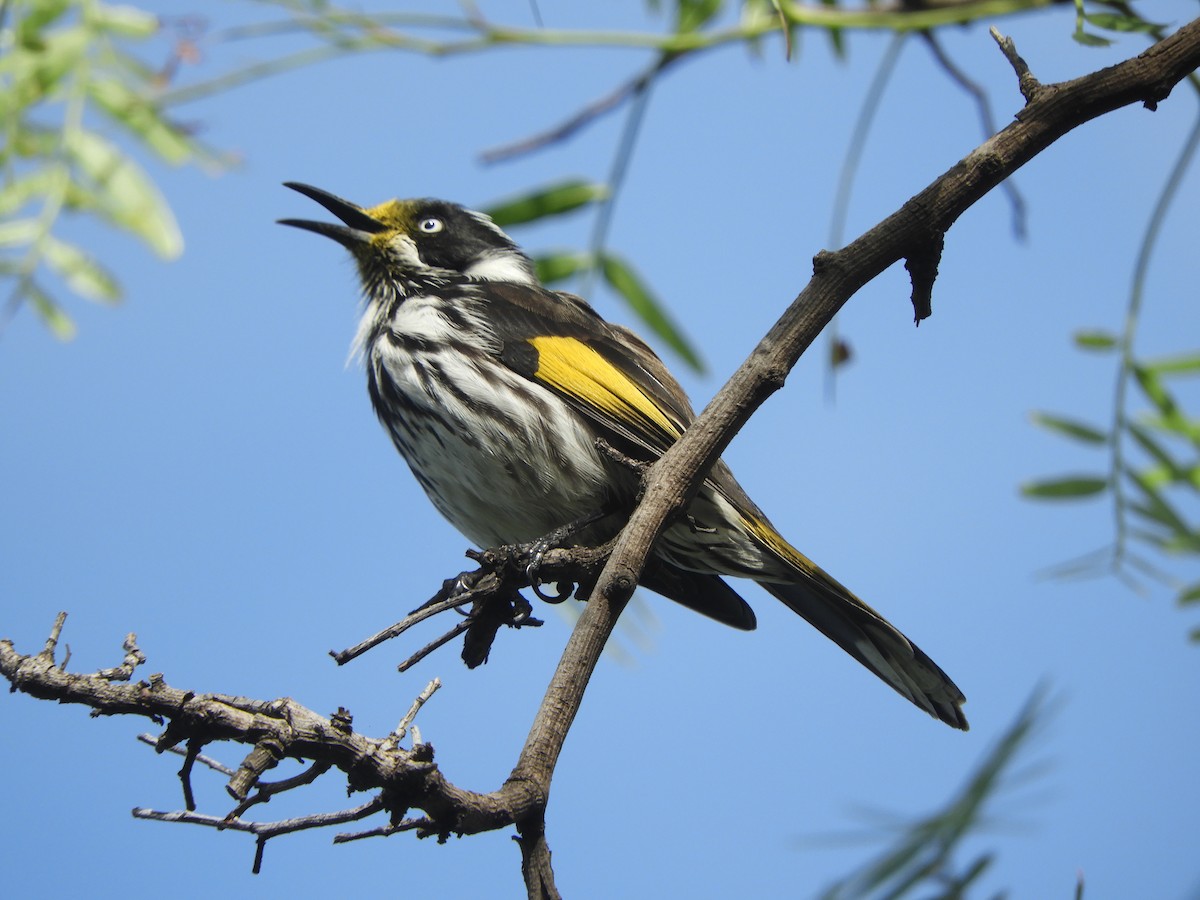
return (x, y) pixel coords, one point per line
(358, 226)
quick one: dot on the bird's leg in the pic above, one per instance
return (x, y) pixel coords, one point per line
(539, 548)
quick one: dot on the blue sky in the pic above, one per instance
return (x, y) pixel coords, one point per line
(201, 466)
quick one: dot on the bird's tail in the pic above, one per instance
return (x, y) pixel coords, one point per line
(874, 642)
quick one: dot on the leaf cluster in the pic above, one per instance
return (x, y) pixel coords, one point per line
(73, 97)
(1151, 470)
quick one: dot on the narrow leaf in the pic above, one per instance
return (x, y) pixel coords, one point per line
(51, 313)
(1095, 340)
(692, 15)
(35, 18)
(1070, 428)
(1156, 508)
(137, 114)
(1119, 22)
(125, 194)
(625, 281)
(1157, 451)
(550, 201)
(1183, 364)
(83, 275)
(1090, 40)
(1070, 487)
(25, 187)
(1189, 594)
(1154, 390)
(18, 232)
(122, 20)
(554, 267)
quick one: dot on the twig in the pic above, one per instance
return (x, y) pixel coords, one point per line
(264, 831)
(133, 658)
(52, 641)
(268, 789)
(1029, 86)
(423, 823)
(433, 645)
(422, 698)
(432, 608)
(213, 764)
(590, 113)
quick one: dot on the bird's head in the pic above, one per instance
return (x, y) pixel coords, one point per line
(406, 242)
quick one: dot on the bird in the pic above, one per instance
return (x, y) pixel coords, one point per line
(507, 398)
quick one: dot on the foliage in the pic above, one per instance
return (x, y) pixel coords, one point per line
(71, 96)
(920, 860)
(1152, 466)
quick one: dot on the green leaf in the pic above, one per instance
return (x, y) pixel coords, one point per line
(123, 21)
(1190, 594)
(24, 188)
(1095, 340)
(1155, 391)
(550, 201)
(125, 194)
(695, 14)
(1068, 487)
(134, 112)
(1156, 508)
(920, 859)
(1070, 428)
(59, 55)
(1176, 424)
(34, 19)
(554, 267)
(1120, 22)
(1147, 442)
(18, 232)
(1182, 364)
(51, 313)
(83, 275)
(625, 281)
(1090, 40)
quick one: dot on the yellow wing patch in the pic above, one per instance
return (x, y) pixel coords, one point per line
(577, 370)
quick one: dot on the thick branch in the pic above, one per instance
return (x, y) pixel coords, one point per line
(914, 230)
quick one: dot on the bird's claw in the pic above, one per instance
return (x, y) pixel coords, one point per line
(463, 584)
(533, 570)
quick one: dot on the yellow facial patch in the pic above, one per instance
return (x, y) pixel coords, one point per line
(575, 369)
(394, 213)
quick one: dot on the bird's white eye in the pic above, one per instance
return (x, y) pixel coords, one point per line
(430, 225)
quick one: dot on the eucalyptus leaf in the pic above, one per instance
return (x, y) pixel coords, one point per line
(555, 267)
(125, 194)
(148, 123)
(1070, 428)
(1095, 340)
(549, 201)
(1069, 487)
(81, 272)
(622, 278)
(51, 313)
(123, 20)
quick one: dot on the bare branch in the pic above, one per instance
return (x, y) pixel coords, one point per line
(403, 778)
(1053, 112)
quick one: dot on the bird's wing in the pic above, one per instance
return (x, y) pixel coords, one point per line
(605, 373)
